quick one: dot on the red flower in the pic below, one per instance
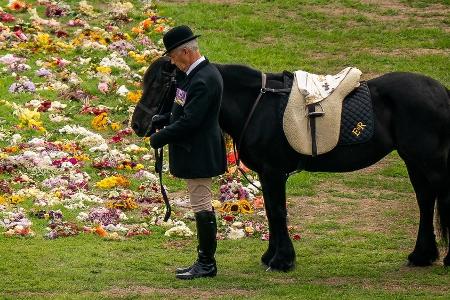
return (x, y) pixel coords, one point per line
(228, 218)
(231, 158)
(4, 17)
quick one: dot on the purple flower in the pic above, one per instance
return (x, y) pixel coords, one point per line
(43, 72)
(22, 86)
(122, 47)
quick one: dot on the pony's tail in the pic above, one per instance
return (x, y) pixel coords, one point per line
(443, 210)
(443, 207)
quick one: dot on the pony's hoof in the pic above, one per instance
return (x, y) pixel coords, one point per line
(416, 260)
(266, 258)
(281, 265)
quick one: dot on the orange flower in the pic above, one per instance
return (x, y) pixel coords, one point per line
(159, 29)
(147, 23)
(101, 231)
(137, 30)
(17, 5)
(258, 202)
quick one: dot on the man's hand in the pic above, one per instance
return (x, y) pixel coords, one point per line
(159, 121)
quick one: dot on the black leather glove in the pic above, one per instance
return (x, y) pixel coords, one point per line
(159, 121)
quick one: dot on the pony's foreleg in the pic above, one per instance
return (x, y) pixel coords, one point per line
(281, 254)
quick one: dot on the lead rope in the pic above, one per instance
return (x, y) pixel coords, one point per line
(158, 168)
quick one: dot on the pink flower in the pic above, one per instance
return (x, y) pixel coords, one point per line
(103, 87)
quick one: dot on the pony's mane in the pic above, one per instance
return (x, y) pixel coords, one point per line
(239, 74)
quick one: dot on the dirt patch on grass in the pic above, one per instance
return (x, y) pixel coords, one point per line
(207, 1)
(174, 244)
(391, 284)
(180, 293)
(405, 52)
(391, 11)
(364, 209)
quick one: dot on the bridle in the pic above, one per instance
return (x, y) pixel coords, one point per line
(159, 153)
(237, 147)
(162, 105)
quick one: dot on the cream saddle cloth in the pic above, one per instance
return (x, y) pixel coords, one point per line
(322, 95)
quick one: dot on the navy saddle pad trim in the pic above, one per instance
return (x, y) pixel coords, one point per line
(357, 122)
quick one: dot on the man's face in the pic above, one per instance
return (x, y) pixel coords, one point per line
(180, 58)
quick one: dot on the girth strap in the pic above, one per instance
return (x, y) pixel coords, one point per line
(236, 148)
(312, 115)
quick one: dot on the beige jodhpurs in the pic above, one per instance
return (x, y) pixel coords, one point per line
(200, 193)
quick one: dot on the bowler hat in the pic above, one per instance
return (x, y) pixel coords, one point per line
(177, 36)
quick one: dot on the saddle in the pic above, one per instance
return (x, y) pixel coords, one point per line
(312, 117)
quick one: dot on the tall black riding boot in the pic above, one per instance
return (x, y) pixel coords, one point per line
(205, 266)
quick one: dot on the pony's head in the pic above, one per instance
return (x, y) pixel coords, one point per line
(159, 88)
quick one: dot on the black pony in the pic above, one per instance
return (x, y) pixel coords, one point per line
(412, 115)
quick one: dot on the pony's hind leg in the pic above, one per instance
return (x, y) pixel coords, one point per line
(425, 252)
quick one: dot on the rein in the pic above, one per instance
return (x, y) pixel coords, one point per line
(159, 153)
(237, 147)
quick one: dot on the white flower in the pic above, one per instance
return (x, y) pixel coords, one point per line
(147, 157)
(180, 230)
(100, 148)
(237, 225)
(122, 91)
(236, 234)
(114, 60)
(82, 216)
(84, 61)
(58, 118)
(15, 139)
(123, 216)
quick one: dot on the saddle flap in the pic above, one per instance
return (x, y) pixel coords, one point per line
(297, 127)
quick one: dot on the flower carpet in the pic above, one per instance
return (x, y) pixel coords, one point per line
(71, 75)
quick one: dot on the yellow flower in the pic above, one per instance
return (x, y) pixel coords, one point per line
(115, 126)
(30, 119)
(104, 69)
(127, 203)
(113, 181)
(139, 58)
(82, 157)
(58, 194)
(2, 200)
(134, 97)
(139, 167)
(245, 207)
(15, 199)
(216, 204)
(100, 121)
(43, 39)
(249, 230)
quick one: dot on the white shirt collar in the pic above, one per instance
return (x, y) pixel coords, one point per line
(196, 63)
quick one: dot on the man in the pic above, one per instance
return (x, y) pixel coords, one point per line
(196, 145)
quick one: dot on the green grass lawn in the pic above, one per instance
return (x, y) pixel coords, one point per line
(356, 228)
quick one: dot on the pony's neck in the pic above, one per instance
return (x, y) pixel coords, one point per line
(241, 87)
